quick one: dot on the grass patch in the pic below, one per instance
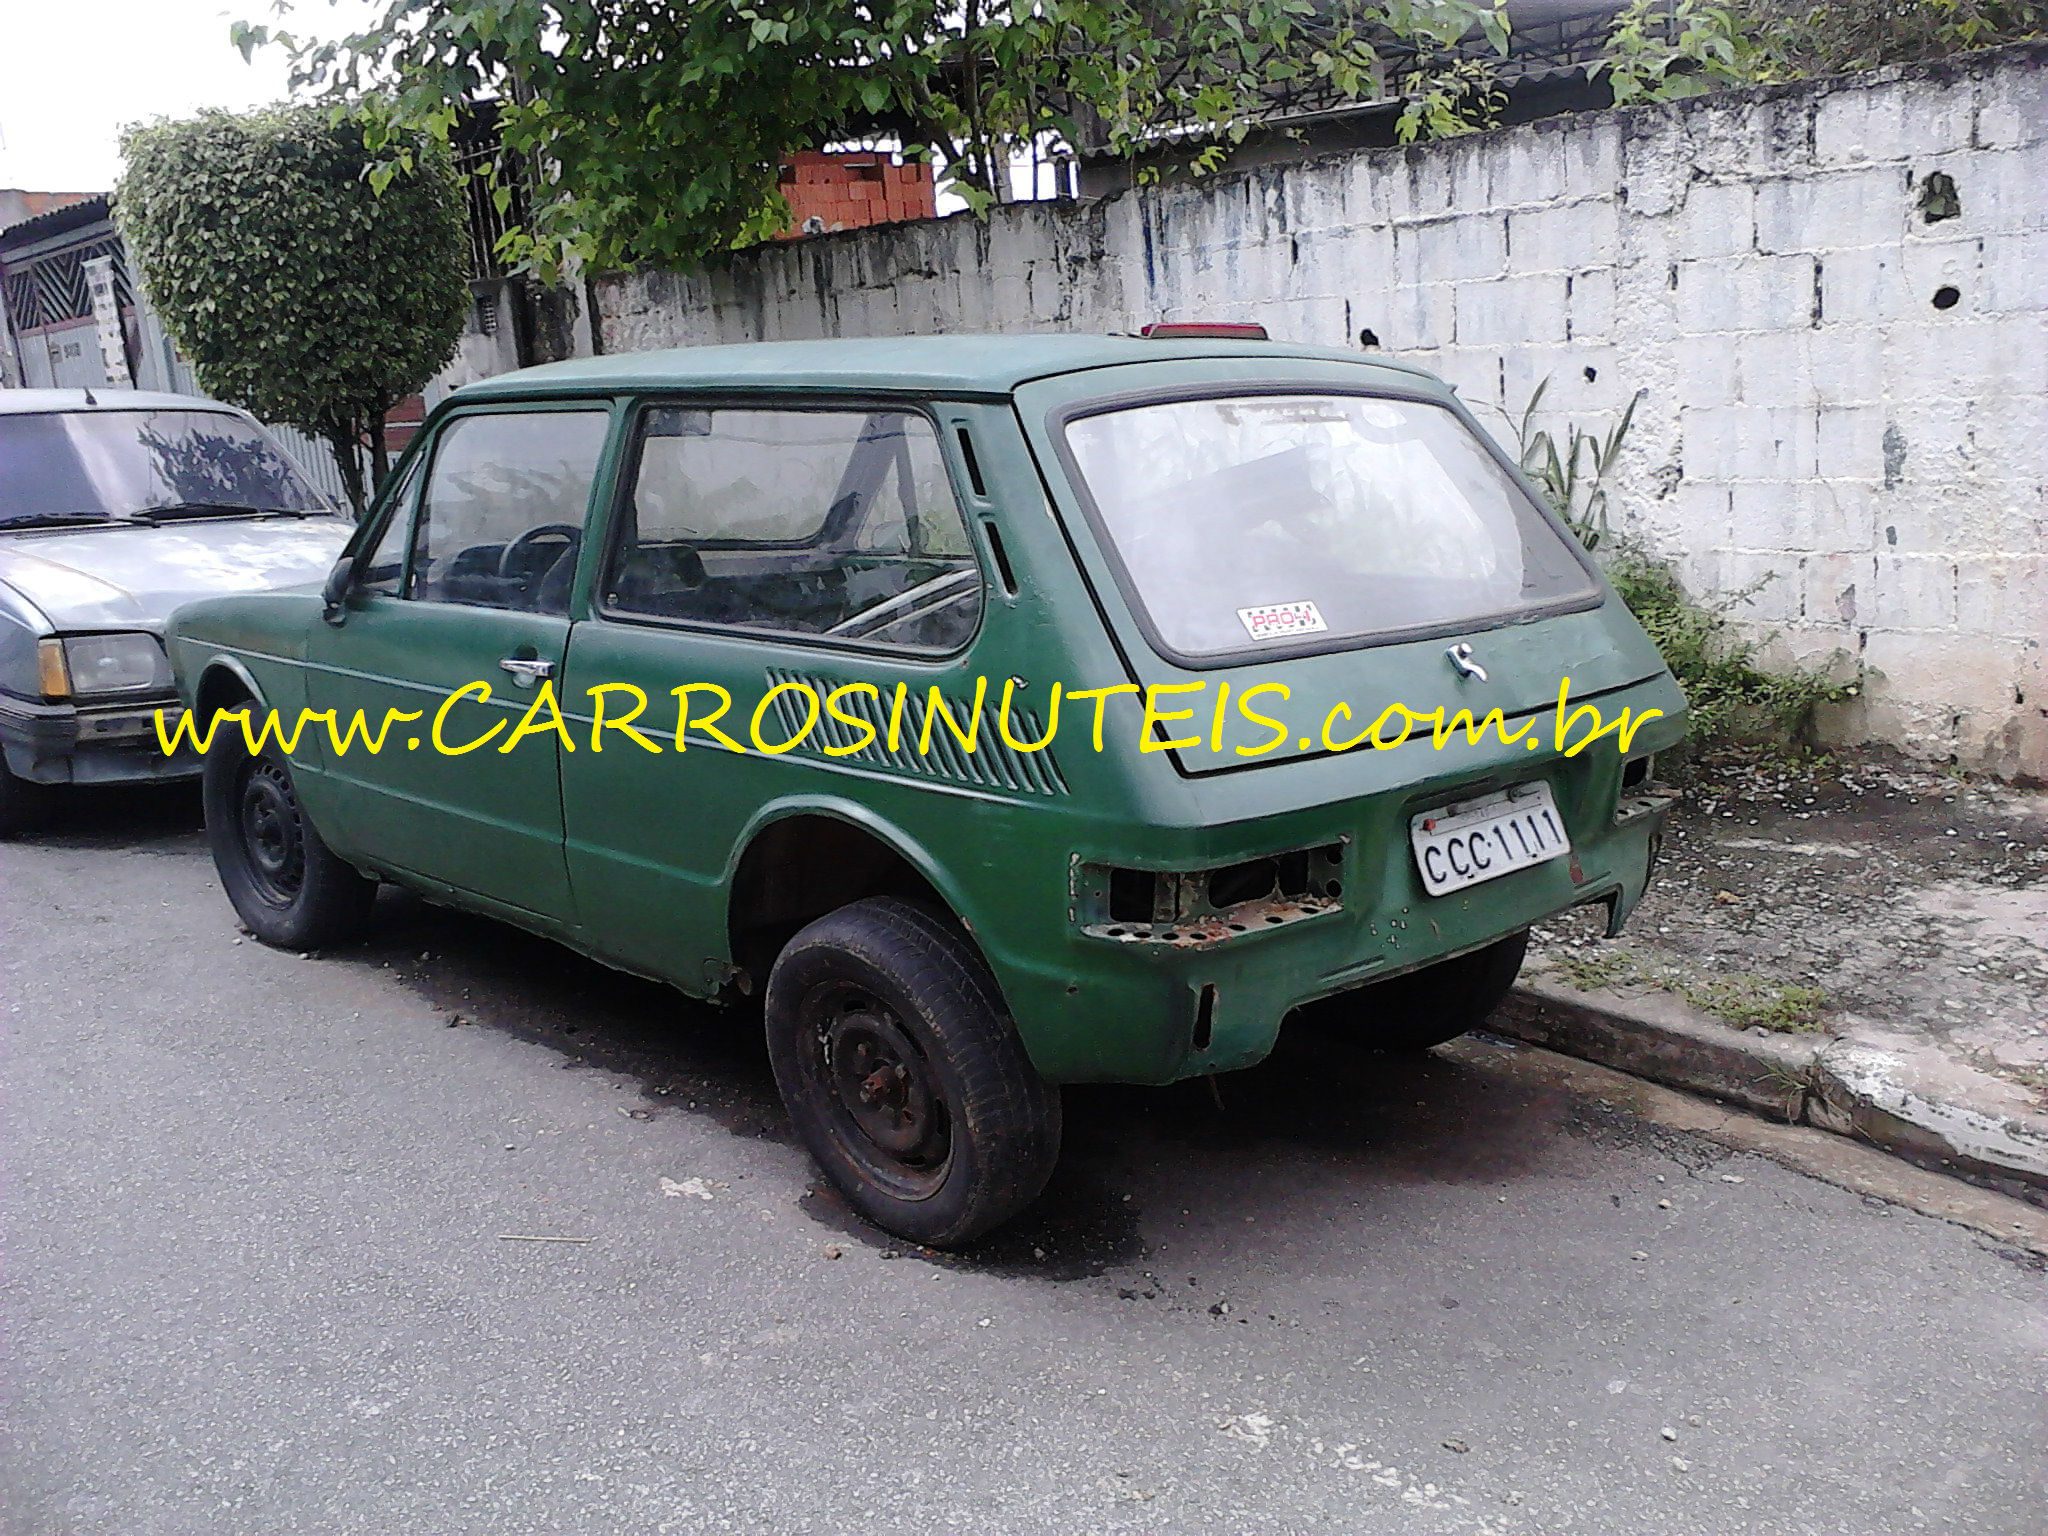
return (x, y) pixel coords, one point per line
(1608, 969)
(1735, 701)
(1740, 998)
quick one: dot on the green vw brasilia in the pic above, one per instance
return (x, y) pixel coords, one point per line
(994, 712)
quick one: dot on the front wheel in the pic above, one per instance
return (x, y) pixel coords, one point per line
(904, 1076)
(1423, 1008)
(286, 885)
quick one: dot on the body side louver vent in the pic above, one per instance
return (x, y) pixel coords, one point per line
(993, 764)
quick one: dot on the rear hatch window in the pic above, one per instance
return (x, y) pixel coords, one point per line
(1289, 523)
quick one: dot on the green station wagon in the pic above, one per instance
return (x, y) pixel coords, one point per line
(999, 711)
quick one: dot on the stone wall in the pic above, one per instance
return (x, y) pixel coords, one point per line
(1831, 299)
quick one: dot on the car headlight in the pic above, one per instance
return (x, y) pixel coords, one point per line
(98, 666)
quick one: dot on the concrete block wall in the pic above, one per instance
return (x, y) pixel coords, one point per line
(1843, 392)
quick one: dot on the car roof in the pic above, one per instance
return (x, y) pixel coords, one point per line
(16, 402)
(957, 364)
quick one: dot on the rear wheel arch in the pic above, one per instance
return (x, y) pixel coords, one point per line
(796, 864)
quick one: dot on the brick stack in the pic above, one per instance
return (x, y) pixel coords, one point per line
(852, 189)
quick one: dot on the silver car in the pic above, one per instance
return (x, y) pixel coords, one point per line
(115, 507)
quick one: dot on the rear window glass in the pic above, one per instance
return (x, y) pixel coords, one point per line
(1275, 520)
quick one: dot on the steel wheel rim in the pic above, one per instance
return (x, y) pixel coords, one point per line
(881, 1095)
(273, 833)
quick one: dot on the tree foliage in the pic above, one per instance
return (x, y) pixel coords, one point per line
(297, 290)
(1661, 50)
(654, 129)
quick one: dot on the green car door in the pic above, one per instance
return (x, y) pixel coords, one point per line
(459, 620)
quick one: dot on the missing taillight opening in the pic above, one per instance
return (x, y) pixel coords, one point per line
(1131, 894)
(1206, 906)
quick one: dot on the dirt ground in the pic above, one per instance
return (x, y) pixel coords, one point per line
(1854, 897)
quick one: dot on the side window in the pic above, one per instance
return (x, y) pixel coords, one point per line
(384, 562)
(834, 523)
(502, 516)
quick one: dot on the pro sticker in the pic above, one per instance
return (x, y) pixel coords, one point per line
(1272, 621)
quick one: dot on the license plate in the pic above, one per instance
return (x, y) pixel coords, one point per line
(1477, 840)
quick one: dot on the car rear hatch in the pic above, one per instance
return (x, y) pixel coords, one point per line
(1336, 535)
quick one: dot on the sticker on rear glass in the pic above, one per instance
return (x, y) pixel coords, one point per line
(1275, 620)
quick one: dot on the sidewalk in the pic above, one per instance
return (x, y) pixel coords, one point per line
(1861, 946)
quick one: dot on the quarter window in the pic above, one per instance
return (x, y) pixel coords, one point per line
(840, 524)
(502, 518)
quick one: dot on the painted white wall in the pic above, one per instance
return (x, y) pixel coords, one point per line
(1756, 265)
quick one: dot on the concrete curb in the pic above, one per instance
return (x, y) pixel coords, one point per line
(1955, 1121)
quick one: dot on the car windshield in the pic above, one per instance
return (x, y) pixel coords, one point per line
(72, 466)
(1278, 519)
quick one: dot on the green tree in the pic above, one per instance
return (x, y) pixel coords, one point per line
(1663, 50)
(654, 129)
(297, 289)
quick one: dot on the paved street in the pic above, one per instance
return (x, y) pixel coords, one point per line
(257, 1277)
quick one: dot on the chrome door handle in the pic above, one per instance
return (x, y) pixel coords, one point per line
(526, 671)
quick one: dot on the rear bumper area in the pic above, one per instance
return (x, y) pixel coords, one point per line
(1132, 1008)
(95, 744)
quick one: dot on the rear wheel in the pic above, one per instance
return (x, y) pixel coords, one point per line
(285, 883)
(904, 1076)
(1424, 1008)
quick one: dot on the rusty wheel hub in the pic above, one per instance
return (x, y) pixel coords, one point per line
(884, 1084)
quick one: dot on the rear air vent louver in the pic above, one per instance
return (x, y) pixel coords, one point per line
(993, 764)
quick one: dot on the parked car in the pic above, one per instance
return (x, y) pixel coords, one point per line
(115, 507)
(941, 937)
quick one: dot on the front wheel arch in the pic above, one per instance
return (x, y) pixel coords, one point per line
(225, 683)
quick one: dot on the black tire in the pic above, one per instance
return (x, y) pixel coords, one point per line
(285, 883)
(904, 1075)
(24, 805)
(1423, 1008)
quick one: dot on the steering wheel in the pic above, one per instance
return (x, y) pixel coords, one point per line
(567, 534)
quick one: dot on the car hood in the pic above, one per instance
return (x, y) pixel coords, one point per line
(134, 575)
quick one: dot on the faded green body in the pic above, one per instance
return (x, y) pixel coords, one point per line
(635, 858)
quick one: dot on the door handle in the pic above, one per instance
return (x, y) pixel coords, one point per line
(527, 670)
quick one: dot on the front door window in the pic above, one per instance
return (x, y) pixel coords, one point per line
(502, 519)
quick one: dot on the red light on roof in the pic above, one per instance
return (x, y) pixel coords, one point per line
(1204, 330)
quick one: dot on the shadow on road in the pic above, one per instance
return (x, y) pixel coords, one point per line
(1368, 1119)
(1315, 1122)
(147, 818)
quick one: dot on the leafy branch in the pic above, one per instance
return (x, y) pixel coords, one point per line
(652, 130)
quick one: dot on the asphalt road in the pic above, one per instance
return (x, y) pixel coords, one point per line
(256, 1278)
